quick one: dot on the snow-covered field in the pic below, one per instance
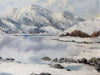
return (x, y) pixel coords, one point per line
(30, 49)
(82, 47)
(27, 69)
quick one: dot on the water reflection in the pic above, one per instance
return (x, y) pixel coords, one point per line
(31, 48)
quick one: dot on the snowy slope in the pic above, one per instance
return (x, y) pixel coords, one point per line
(13, 68)
(33, 19)
(88, 26)
(2, 33)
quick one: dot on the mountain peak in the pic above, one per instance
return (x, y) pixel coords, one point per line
(35, 19)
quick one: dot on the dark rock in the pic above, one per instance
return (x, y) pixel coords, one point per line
(41, 74)
(11, 59)
(7, 59)
(93, 61)
(46, 59)
(0, 57)
(45, 74)
(62, 60)
(33, 74)
(70, 60)
(98, 59)
(79, 61)
(98, 64)
(55, 60)
(58, 66)
(68, 70)
(98, 69)
(84, 60)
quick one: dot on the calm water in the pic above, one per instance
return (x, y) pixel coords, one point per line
(31, 48)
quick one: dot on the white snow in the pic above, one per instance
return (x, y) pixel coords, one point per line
(19, 20)
(89, 26)
(30, 49)
(51, 30)
(58, 16)
(26, 69)
(33, 48)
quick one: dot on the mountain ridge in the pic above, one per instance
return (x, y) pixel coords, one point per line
(89, 26)
(33, 19)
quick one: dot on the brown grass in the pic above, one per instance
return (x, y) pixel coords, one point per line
(78, 33)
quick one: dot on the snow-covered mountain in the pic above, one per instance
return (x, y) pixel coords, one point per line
(88, 26)
(35, 19)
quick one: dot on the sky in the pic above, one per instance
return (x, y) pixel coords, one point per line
(82, 8)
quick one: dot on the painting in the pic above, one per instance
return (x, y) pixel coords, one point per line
(49, 37)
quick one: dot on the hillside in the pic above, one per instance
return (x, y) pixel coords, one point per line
(35, 19)
(89, 27)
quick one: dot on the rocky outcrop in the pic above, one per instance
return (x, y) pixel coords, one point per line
(10, 59)
(46, 58)
(41, 74)
(95, 62)
(55, 60)
(0, 57)
(58, 66)
(7, 59)
(83, 60)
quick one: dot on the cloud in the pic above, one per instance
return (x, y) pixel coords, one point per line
(64, 2)
(50, 2)
(70, 7)
(77, 7)
(44, 4)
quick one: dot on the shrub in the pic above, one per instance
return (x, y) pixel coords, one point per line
(78, 33)
(95, 34)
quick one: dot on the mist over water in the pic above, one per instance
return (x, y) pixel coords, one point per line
(31, 49)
